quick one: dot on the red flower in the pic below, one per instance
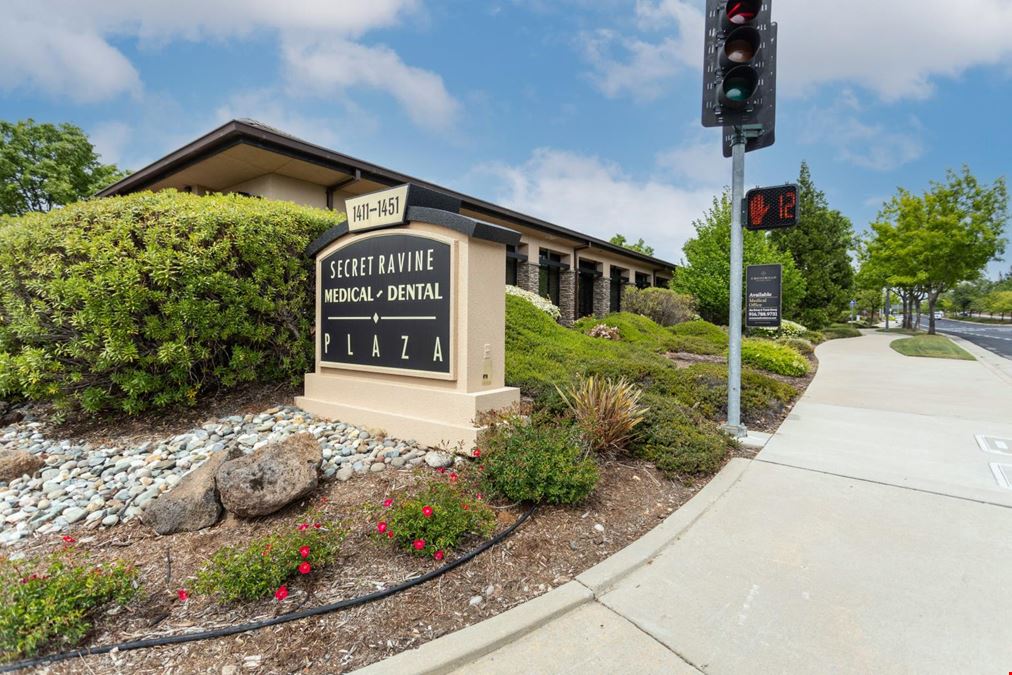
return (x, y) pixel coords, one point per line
(304, 568)
(477, 452)
(324, 500)
(281, 593)
(303, 527)
(381, 526)
(438, 555)
(387, 503)
(467, 507)
(304, 551)
(317, 525)
(427, 511)
(478, 496)
(267, 549)
(441, 469)
(390, 534)
(182, 595)
(419, 544)
(453, 477)
(481, 468)
(68, 539)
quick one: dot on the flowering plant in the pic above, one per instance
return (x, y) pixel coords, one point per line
(51, 600)
(262, 566)
(436, 519)
(543, 304)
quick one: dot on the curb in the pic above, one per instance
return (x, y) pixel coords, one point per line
(464, 646)
(601, 577)
(999, 366)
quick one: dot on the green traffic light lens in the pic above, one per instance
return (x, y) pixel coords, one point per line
(738, 87)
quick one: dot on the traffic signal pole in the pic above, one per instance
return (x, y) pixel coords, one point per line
(734, 426)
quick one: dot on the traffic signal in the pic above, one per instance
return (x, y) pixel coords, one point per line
(739, 67)
(771, 208)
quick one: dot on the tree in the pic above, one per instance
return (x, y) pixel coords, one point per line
(820, 245)
(44, 165)
(706, 273)
(965, 296)
(641, 246)
(932, 242)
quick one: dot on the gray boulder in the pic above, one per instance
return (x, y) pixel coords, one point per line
(272, 477)
(18, 463)
(193, 503)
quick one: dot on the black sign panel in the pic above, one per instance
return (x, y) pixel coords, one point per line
(770, 208)
(385, 303)
(762, 296)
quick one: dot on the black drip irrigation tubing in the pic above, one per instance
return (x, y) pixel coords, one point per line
(273, 621)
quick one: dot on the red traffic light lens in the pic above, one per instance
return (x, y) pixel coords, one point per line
(741, 12)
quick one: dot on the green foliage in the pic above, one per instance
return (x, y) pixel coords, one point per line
(678, 442)
(639, 245)
(787, 329)
(703, 387)
(663, 306)
(820, 246)
(43, 166)
(715, 335)
(537, 461)
(773, 357)
(707, 272)
(840, 330)
(606, 412)
(147, 300)
(814, 336)
(454, 515)
(52, 601)
(799, 343)
(931, 346)
(255, 570)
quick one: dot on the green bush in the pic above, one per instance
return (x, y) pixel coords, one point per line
(258, 568)
(787, 329)
(537, 461)
(147, 300)
(703, 388)
(801, 344)
(705, 330)
(679, 443)
(773, 357)
(663, 306)
(840, 330)
(814, 336)
(435, 519)
(52, 601)
(699, 338)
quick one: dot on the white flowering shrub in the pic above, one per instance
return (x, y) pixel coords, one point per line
(788, 329)
(603, 330)
(541, 303)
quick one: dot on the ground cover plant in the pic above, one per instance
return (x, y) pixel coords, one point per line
(152, 299)
(262, 566)
(931, 346)
(433, 521)
(840, 330)
(773, 357)
(54, 599)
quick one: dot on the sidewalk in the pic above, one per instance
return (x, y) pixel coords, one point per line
(870, 535)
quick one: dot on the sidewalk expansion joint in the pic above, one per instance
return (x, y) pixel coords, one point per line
(885, 484)
(647, 633)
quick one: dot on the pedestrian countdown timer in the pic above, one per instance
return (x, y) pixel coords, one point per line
(770, 208)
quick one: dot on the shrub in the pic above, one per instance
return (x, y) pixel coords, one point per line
(606, 332)
(787, 329)
(840, 330)
(773, 357)
(679, 443)
(52, 601)
(149, 299)
(814, 336)
(606, 411)
(544, 304)
(435, 519)
(663, 306)
(530, 460)
(703, 388)
(801, 344)
(257, 569)
(632, 328)
(701, 329)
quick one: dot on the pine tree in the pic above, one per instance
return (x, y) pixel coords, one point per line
(820, 244)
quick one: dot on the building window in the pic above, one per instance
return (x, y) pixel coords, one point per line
(618, 282)
(550, 276)
(585, 288)
(512, 265)
(642, 280)
(661, 282)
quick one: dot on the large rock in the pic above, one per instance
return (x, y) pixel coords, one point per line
(273, 476)
(193, 503)
(18, 463)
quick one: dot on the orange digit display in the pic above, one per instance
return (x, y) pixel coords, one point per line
(771, 208)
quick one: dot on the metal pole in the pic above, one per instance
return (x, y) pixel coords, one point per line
(734, 425)
(888, 309)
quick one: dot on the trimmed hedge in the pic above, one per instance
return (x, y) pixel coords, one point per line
(149, 300)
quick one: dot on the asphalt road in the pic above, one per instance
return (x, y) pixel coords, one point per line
(997, 339)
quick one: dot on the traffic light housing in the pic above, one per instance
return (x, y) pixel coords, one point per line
(771, 208)
(739, 67)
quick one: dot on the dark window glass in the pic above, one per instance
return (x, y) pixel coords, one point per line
(642, 280)
(512, 270)
(615, 303)
(585, 288)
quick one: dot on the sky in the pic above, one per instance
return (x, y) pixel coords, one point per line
(583, 112)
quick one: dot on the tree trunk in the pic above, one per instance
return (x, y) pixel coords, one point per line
(906, 309)
(932, 299)
(918, 303)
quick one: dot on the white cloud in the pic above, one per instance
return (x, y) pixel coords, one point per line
(110, 140)
(590, 195)
(697, 163)
(336, 65)
(65, 48)
(894, 49)
(868, 146)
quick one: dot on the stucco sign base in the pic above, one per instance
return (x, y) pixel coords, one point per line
(432, 416)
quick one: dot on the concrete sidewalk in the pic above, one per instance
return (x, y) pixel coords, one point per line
(870, 535)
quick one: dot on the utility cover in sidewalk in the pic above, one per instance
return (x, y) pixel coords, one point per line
(1002, 474)
(995, 444)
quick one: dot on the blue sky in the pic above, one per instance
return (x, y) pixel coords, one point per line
(583, 112)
